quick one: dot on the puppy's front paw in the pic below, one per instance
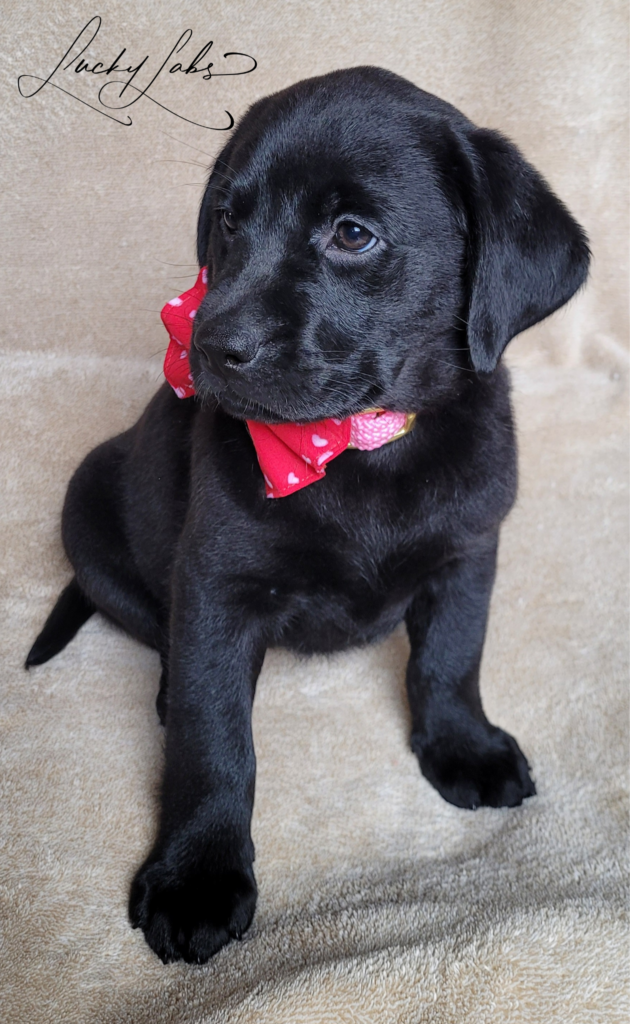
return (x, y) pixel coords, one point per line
(191, 915)
(481, 768)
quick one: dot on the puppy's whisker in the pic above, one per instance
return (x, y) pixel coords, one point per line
(226, 177)
(356, 378)
(172, 160)
(175, 139)
(222, 176)
(223, 163)
(456, 366)
(167, 264)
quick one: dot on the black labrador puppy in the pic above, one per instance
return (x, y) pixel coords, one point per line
(367, 247)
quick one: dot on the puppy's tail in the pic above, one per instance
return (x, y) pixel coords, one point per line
(64, 622)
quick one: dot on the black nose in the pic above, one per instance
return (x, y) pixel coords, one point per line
(226, 351)
(233, 357)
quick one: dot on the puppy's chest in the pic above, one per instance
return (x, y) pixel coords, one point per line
(337, 586)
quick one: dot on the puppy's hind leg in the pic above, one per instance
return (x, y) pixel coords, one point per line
(95, 540)
(106, 577)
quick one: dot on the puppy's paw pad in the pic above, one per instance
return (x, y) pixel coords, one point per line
(190, 917)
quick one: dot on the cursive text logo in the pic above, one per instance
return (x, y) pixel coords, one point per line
(118, 94)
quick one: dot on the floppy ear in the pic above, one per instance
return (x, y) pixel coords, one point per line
(527, 255)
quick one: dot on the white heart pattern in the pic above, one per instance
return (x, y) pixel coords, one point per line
(323, 457)
(292, 479)
(319, 442)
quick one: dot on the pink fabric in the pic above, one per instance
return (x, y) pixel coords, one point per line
(370, 430)
(290, 455)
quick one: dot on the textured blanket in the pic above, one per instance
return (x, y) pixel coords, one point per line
(379, 902)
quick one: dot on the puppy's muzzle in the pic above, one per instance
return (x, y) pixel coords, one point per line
(227, 351)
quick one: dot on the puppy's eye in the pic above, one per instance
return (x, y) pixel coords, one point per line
(229, 220)
(353, 237)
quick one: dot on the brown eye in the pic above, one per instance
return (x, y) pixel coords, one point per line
(354, 237)
(229, 220)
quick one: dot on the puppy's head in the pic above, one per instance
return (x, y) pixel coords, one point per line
(367, 245)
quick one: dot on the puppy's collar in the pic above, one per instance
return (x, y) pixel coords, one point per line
(290, 455)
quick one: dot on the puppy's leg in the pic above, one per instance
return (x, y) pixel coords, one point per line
(94, 538)
(471, 762)
(197, 889)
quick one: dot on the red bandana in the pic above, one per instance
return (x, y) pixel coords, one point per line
(290, 455)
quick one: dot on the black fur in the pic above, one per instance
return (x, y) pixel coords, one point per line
(168, 527)
(71, 611)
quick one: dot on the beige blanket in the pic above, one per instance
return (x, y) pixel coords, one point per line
(379, 902)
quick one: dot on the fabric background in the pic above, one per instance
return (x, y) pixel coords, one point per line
(379, 902)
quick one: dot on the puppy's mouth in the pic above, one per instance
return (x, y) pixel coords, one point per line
(278, 406)
(249, 408)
